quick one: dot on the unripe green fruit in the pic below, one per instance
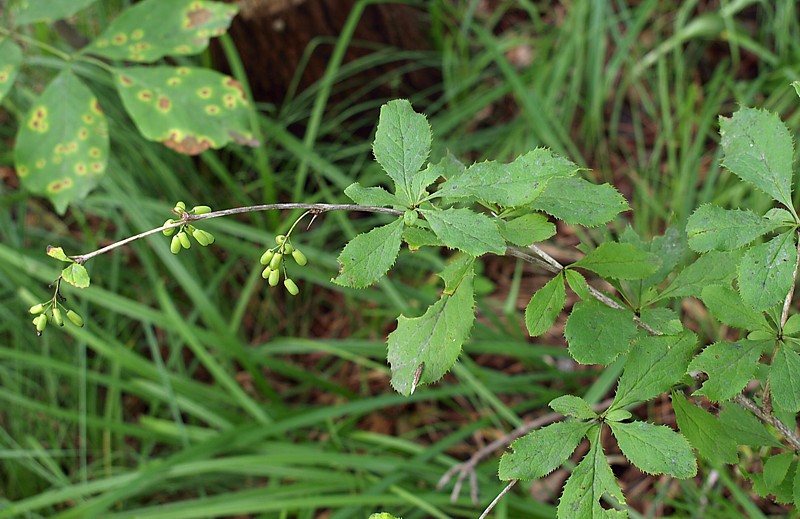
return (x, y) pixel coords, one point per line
(74, 318)
(275, 262)
(36, 309)
(274, 277)
(287, 248)
(201, 236)
(175, 245)
(266, 257)
(209, 237)
(266, 272)
(57, 317)
(279, 239)
(179, 207)
(184, 239)
(171, 230)
(201, 209)
(299, 257)
(410, 217)
(40, 322)
(291, 287)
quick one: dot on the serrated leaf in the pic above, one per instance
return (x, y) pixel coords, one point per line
(745, 428)
(542, 451)
(670, 248)
(10, 61)
(466, 230)
(757, 147)
(577, 283)
(576, 201)
(527, 229)
(152, 29)
(665, 320)
(545, 306)
(187, 109)
(417, 237)
(48, 10)
(780, 217)
(712, 268)
(618, 415)
(655, 364)
(402, 144)
(509, 185)
(704, 432)
(727, 306)
(776, 468)
(58, 253)
(589, 482)
(619, 261)
(62, 145)
(432, 341)
(655, 449)
(784, 379)
(729, 366)
(714, 228)
(575, 406)
(796, 480)
(767, 270)
(458, 267)
(792, 326)
(375, 196)
(368, 256)
(448, 165)
(598, 334)
(76, 275)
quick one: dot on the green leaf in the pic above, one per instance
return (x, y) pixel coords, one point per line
(383, 515)
(729, 366)
(509, 185)
(619, 261)
(714, 228)
(62, 144)
(784, 378)
(48, 10)
(726, 304)
(449, 165)
(589, 482)
(376, 196)
(152, 29)
(655, 364)
(664, 320)
(713, 268)
(669, 248)
(757, 148)
(776, 468)
(417, 237)
(527, 229)
(75, 274)
(369, 256)
(577, 283)
(575, 406)
(10, 61)
(598, 334)
(542, 451)
(745, 428)
(767, 270)
(402, 143)
(58, 253)
(422, 349)
(780, 217)
(187, 109)
(704, 432)
(455, 271)
(545, 306)
(576, 201)
(655, 449)
(618, 415)
(466, 230)
(792, 326)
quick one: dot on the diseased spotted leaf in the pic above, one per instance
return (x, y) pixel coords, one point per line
(422, 349)
(527, 229)
(729, 366)
(466, 230)
(152, 29)
(766, 271)
(62, 144)
(187, 109)
(619, 261)
(75, 274)
(598, 334)
(784, 377)
(757, 147)
(575, 406)
(10, 61)
(402, 144)
(704, 432)
(726, 304)
(367, 257)
(545, 306)
(655, 449)
(376, 196)
(48, 10)
(542, 451)
(712, 268)
(576, 201)
(714, 228)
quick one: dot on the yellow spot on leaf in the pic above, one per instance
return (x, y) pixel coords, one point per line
(212, 109)
(3, 77)
(58, 185)
(23, 170)
(94, 106)
(145, 95)
(137, 34)
(119, 39)
(57, 159)
(96, 167)
(183, 49)
(183, 71)
(204, 93)
(95, 152)
(101, 44)
(190, 145)
(229, 100)
(87, 118)
(125, 80)
(202, 33)
(173, 81)
(83, 134)
(80, 168)
(40, 163)
(164, 104)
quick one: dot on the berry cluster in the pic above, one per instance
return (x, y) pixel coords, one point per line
(273, 259)
(181, 239)
(57, 313)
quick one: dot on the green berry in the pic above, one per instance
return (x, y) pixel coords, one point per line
(179, 208)
(184, 240)
(175, 245)
(266, 272)
(279, 239)
(201, 209)
(209, 237)
(202, 237)
(74, 318)
(267, 257)
(171, 230)
(36, 309)
(274, 277)
(299, 257)
(275, 262)
(410, 217)
(40, 321)
(287, 248)
(57, 317)
(291, 287)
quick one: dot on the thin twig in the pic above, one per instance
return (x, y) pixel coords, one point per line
(791, 436)
(497, 499)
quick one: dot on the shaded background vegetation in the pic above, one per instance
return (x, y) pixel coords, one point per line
(195, 391)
